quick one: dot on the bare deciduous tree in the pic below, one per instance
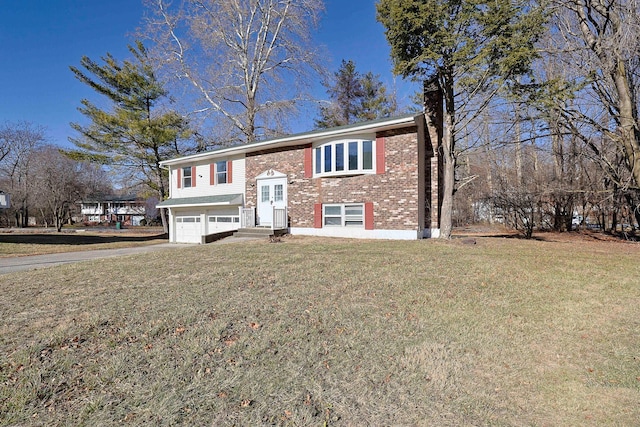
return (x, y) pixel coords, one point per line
(248, 60)
(56, 183)
(21, 141)
(600, 41)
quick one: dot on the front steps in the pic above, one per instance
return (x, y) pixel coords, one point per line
(259, 232)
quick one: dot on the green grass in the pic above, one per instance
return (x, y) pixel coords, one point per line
(328, 332)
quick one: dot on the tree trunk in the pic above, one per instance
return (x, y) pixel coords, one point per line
(449, 176)
(446, 218)
(628, 121)
(489, 164)
(447, 151)
(165, 221)
(634, 205)
(518, 159)
(162, 190)
(57, 217)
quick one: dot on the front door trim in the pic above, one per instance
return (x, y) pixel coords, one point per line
(270, 179)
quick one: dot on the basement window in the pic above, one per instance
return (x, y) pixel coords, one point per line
(347, 215)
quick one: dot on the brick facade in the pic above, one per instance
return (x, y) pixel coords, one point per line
(400, 196)
(399, 191)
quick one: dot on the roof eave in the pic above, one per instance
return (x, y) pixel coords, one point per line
(232, 200)
(195, 205)
(302, 138)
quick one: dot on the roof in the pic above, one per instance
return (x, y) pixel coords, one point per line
(225, 199)
(113, 198)
(300, 138)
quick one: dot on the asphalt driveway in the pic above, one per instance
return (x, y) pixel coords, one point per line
(32, 262)
(23, 263)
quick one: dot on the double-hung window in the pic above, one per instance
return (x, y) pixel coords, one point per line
(345, 157)
(221, 172)
(343, 215)
(186, 177)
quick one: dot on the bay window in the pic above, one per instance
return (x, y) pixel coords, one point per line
(347, 157)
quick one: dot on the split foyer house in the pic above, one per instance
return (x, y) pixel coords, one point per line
(377, 179)
(128, 210)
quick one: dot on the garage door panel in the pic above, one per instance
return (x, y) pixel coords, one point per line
(188, 229)
(218, 223)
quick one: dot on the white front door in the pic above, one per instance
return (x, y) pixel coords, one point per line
(272, 192)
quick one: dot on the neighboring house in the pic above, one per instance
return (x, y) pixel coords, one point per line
(378, 179)
(5, 200)
(127, 210)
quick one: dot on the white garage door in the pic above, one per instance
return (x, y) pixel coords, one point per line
(188, 229)
(218, 223)
(220, 219)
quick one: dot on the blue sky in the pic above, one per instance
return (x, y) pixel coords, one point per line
(40, 39)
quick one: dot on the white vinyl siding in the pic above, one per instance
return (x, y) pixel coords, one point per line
(202, 188)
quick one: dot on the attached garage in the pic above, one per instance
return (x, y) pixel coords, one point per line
(195, 217)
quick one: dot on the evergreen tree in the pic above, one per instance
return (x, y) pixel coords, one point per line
(137, 132)
(467, 50)
(355, 97)
(376, 101)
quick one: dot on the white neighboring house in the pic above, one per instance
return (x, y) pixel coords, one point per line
(126, 210)
(376, 179)
(5, 200)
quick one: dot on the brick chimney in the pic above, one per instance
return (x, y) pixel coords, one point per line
(434, 118)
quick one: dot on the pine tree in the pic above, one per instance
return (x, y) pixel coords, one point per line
(137, 132)
(355, 97)
(376, 101)
(468, 49)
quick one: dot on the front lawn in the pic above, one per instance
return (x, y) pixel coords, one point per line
(328, 332)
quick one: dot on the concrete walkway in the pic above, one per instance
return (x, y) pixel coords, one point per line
(32, 262)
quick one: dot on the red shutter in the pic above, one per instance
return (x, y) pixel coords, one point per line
(179, 177)
(229, 172)
(308, 162)
(368, 216)
(380, 156)
(317, 215)
(212, 174)
(193, 176)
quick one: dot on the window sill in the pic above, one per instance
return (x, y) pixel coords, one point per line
(343, 174)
